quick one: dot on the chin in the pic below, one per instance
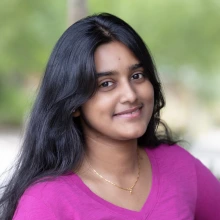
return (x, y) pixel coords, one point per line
(134, 135)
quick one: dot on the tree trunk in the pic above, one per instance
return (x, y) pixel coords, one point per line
(77, 9)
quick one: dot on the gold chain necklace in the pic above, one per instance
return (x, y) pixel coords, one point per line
(130, 189)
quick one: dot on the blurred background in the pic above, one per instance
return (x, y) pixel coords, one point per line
(183, 37)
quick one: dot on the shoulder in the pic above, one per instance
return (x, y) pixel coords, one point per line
(174, 162)
(51, 186)
(186, 178)
(173, 153)
(48, 197)
(178, 159)
(174, 166)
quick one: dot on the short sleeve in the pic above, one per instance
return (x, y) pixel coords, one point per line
(208, 194)
(32, 208)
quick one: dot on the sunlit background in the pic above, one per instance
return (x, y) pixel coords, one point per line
(183, 37)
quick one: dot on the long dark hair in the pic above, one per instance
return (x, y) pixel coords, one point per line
(53, 143)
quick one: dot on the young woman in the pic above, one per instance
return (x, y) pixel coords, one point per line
(92, 149)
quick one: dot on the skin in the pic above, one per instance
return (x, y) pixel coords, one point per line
(112, 120)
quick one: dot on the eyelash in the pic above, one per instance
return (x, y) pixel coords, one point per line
(142, 75)
(135, 74)
(101, 85)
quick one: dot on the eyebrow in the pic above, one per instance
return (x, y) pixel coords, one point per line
(135, 66)
(113, 72)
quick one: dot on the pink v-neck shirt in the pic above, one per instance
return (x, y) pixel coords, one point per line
(182, 188)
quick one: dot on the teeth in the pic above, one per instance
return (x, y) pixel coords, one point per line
(134, 111)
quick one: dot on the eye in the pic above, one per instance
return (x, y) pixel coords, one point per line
(137, 76)
(106, 84)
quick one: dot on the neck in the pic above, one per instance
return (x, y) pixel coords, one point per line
(115, 158)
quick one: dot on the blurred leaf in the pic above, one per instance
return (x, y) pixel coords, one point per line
(29, 30)
(178, 33)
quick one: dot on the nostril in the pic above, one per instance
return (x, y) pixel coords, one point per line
(128, 94)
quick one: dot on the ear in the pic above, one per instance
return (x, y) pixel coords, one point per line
(76, 113)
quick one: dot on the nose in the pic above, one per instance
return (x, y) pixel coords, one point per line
(128, 93)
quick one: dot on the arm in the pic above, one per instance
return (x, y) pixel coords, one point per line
(208, 194)
(32, 208)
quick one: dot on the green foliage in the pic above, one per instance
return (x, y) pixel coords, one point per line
(13, 105)
(183, 37)
(178, 33)
(29, 30)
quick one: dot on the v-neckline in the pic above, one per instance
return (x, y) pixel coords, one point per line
(151, 199)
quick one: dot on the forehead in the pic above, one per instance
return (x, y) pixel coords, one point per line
(113, 55)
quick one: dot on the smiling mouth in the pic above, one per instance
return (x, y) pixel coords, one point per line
(131, 111)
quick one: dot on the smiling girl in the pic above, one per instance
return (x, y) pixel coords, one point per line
(92, 148)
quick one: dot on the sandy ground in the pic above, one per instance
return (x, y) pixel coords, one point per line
(9, 147)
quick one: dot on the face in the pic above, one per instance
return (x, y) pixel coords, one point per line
(123, 104)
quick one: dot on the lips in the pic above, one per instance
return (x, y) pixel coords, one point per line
(129, 111)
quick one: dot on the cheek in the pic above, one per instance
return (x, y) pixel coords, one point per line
(95, 116)
(147, 92)
(88, 116)
(96, 108)
(152, 96)
(88, 110)
(148, 99)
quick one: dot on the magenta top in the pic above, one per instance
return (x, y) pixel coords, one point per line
(182, 188)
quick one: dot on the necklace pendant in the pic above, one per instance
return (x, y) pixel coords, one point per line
(130, 189)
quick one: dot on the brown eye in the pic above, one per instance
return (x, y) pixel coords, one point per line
(137, 76)
(106, 84)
